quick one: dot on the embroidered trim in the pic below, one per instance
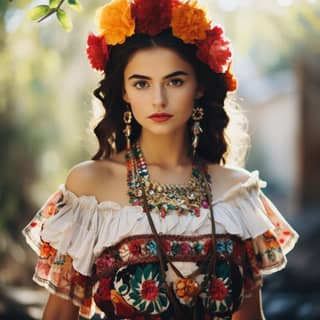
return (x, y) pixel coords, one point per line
(143, 249)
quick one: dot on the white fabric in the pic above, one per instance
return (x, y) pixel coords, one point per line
(83, 227)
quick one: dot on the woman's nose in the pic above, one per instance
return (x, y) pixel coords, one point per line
(159, 96)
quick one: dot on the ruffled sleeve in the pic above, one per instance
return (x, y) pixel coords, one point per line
(247, 212)
(54, 269)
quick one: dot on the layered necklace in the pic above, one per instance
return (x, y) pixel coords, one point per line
(184, 199)
(163, 198)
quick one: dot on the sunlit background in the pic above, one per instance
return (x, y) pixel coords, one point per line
(46, 103)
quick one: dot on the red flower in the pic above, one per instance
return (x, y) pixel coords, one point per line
(207, 245)
(151, 17)
(135, 247)
(238, 251)
(185, 248)
(166, 245)
(218, 290)
(46, 250)
(97, 51)
(104, 263)
(80, 280)
(149, 290)
(215, 50)
(104, 288)
(249, 249)
(33, 224)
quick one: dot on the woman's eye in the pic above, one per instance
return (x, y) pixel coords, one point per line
(141, 84)
(176, 82)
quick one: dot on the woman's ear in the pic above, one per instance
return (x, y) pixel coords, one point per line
(125, 97)
(199, 92)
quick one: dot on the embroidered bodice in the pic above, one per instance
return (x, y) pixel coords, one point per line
(103, 257)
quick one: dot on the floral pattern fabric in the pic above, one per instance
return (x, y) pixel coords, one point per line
(54, 270)
(125, 280)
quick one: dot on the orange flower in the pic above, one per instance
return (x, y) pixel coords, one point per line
(230, 79)
(189, 23)
(115, 22)
(46, 250)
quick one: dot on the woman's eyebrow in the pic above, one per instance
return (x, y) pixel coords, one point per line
(174, 74)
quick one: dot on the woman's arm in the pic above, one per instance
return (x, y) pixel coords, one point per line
(59, 308)
(251, 308)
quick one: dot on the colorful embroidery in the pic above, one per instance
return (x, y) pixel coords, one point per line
(142, 288)
(143, 248)
(218, 296)
(137, 286)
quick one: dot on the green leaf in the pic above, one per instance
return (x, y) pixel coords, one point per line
(54, 3)
(38, 12)
(74, 4)
(64, 20)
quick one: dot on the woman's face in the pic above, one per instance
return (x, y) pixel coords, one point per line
(158, 80)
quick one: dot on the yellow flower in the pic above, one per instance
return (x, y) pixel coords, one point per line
(189, 23)
(115, 21)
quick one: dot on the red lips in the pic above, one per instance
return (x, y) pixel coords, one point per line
(160, 117)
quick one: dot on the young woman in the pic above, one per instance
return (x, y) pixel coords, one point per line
(156, 225)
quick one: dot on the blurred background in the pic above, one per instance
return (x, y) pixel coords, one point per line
(46, 104)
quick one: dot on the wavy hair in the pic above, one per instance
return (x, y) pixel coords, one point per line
(215, 144)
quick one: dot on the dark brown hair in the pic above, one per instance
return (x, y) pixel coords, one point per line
(213, 144)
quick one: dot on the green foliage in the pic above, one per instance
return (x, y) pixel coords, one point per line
(54, 3)
(64, 20)
(74, 4)
(42, 12)
(38, 12)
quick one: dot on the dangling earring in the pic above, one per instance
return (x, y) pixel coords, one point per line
(197, 115)
(127, 118)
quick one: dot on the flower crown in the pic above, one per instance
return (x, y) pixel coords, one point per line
(120, 19)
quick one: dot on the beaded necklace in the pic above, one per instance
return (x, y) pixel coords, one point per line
(185, 287)
(184, 199)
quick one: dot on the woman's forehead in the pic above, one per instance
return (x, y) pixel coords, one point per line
(157, 61)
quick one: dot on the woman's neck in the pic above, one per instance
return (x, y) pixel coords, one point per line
(165, 151)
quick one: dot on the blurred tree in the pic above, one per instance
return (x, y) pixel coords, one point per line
(43, 115)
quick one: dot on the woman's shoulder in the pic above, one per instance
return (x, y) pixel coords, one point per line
(94, 177)
(225, 178)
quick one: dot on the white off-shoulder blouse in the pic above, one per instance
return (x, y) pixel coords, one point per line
(78, 238)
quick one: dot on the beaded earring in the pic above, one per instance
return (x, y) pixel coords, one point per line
(197, 115)
(127, 118)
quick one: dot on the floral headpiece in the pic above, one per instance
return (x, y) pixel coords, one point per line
(120, 19)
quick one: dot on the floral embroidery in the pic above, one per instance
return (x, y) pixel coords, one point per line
(186, 290)
(152, 247)
(198, 247)
(218, 297)
(135, 247)
(224, 246)
(185, 248)
(103, 291)
(46, 250)
(175, 248)
(142, 288)
(104, 262)
(121, 307)
(144, 249)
